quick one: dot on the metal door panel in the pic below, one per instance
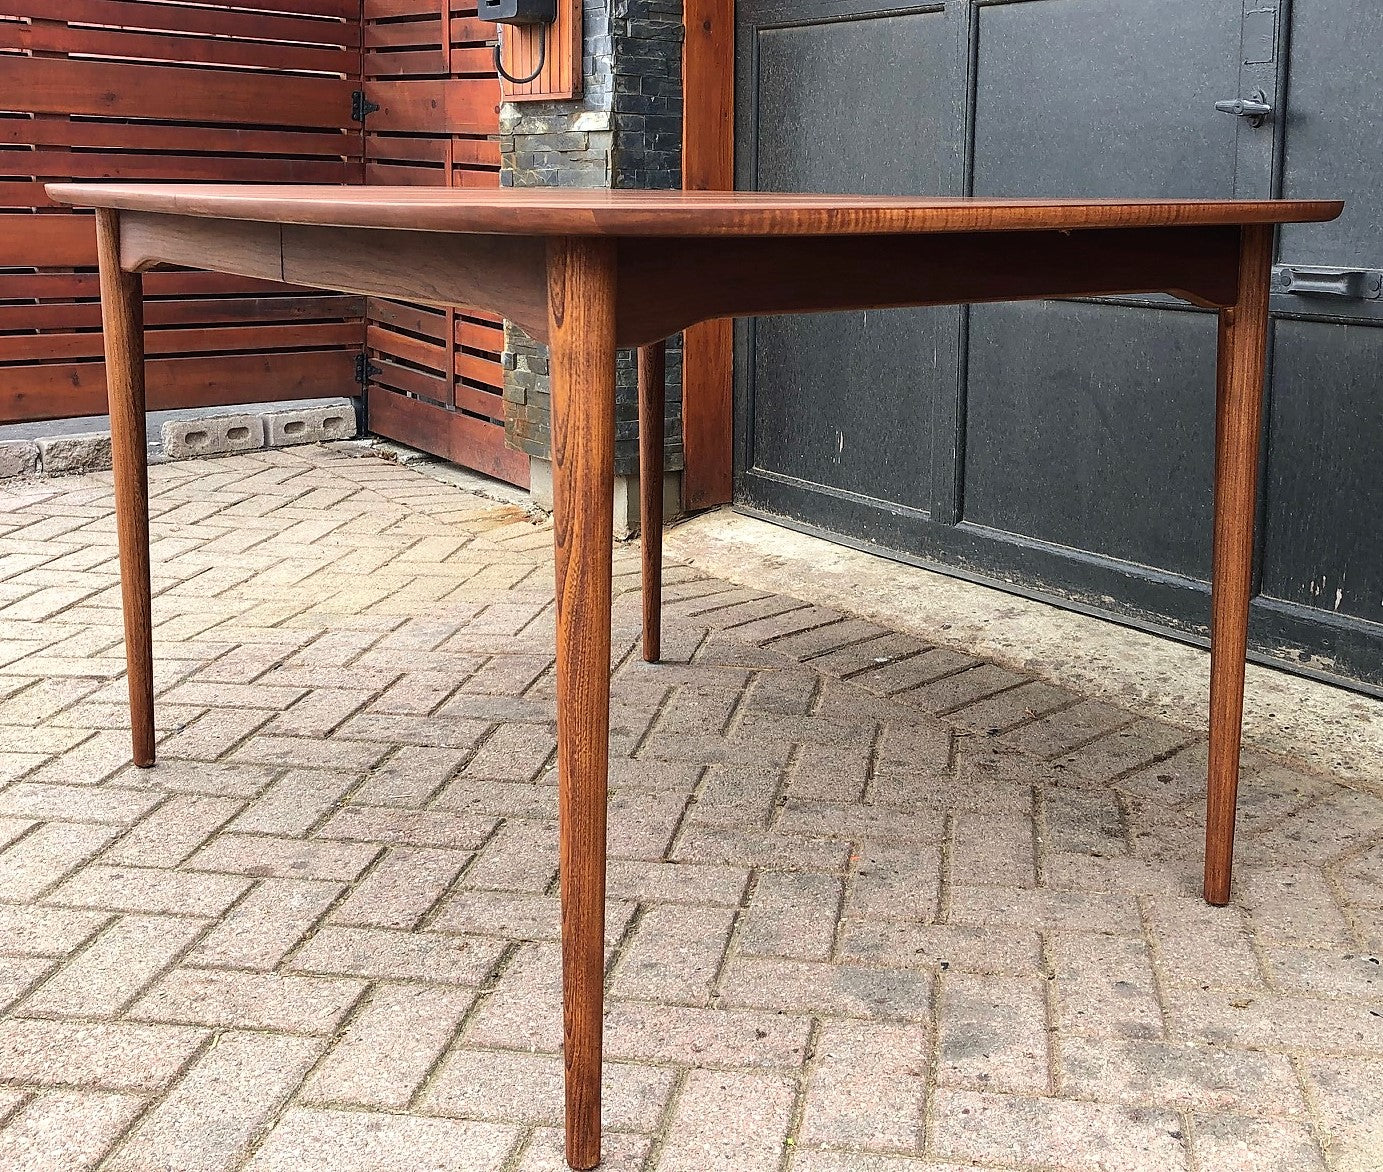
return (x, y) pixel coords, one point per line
(1324, 530)
(1106, 98)
(1334, 130)
(814, 421)
(1066, 448)
(850, 104)
(845, 97)
(1092, 426)
(1322, 540)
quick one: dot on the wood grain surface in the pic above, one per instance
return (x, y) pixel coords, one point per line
(1238, 427)
(717, 277)
(122, 307)
(652, 395)
(581, 295)
(133, 91)
(558, 212)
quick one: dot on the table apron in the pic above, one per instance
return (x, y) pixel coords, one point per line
(665, 284)
(668, 284)
(504, 274)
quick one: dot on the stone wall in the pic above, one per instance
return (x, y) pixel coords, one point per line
(624, 131)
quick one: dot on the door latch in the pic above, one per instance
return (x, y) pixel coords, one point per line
(1316, 281)
(1255, 108)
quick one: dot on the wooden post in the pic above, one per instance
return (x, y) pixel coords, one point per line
(1243, 344)
(581, 317)
(708, 164)
(652, 391)
(122, 317)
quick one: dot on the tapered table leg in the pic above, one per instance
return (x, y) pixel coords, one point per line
(652, 384)
(1238, 422)
(122, 317)
(581, 318)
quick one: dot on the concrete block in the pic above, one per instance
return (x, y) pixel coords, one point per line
(626, 495)
(18, 458)
(75, 453)
(312, 425)
(216, 435)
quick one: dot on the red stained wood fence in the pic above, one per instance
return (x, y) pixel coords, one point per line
(435, 376)
(259, 92)
(141, 89)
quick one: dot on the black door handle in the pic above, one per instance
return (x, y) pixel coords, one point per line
(1317, 281)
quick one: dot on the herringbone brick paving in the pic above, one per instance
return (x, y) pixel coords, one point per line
(874, 906)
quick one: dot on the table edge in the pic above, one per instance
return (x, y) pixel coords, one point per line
(682, 221)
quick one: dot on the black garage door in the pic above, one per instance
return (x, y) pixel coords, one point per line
(1066, 448)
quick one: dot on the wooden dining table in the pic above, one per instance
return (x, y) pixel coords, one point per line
(589, 272)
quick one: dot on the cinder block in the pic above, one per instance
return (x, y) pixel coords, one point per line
(75, 453)
(313, 425)
(216, 435)
(18, 458)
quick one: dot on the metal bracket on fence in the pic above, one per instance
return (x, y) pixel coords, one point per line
(365, 370)
(361, 107)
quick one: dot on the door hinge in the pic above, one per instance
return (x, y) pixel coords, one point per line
(1319, 281)
(365, 370)
(361, 107)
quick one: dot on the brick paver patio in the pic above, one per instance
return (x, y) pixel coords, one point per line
(874, 906)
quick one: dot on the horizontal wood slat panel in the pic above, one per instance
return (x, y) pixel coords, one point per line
(480, 370)
(24, 193)
(204, 140)
(345, 10)
(56, 241)
(436, 381)
(205, 20)
(61, 390)
(417, 33)
(487, 404)
(399, 148)
(48, 164)
(57, 38)
(432, 355)
(471, 29)
(430, 323)
(479, 336)
(402, 175)
(251, 91)
(52, 85)
(66, 315)
(412, 62)
(391, 376)
(217, 339)
(452, 434)
(451, 106)
(392, 9)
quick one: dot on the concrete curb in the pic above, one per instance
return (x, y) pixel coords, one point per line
(68, 446)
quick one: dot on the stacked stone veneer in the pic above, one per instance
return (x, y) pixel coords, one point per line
(624, 131)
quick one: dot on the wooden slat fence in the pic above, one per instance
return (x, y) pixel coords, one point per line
(158, 89)
(435, 375)
(260, 91)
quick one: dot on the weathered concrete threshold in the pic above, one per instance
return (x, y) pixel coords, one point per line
(1313, 724)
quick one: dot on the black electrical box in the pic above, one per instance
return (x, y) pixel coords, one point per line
(518, 11)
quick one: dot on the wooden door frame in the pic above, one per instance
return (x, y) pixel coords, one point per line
(708, 164)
